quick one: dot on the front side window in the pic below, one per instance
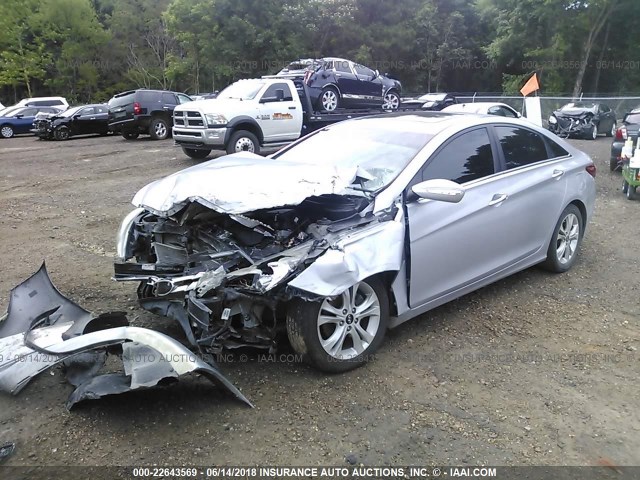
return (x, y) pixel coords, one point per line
(87, 112)
(182, 98)
(168, 99)
(465, 158)
(28, 112)
(520, 146)
(364, 71)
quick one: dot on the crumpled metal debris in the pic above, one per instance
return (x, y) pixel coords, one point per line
(44, 328)
(6, 449)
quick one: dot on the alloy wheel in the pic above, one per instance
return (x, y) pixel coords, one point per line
(6, 132)
(348, 323)
(161, 130)
(567, 239)
(391, 102)
(329, 100)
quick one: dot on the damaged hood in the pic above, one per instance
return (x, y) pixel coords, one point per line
(243, 182)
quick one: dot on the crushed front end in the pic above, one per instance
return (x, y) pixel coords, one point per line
(224, 277)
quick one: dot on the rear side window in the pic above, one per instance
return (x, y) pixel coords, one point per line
(555, 149)
(465, 158)
(342, 66)
(521, 146)
(121, 100)
(147, 97)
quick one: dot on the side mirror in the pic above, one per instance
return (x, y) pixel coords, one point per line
(518, 115)
(440, 190)
(76, 116)
(19, 115)
(377, 74)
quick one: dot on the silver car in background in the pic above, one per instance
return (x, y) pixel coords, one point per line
(353, 229)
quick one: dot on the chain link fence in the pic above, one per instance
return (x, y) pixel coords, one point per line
(620, 105)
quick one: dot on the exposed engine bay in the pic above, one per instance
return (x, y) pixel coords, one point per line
(580, 124)
(223, 277)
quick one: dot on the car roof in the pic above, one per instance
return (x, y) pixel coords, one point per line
(475, 106)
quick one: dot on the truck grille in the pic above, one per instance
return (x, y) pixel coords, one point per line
(188, 119)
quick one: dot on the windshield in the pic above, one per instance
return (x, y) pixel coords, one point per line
(10, 111)
(381, 149)
(242, 90)
(572, 106)
(69, 113)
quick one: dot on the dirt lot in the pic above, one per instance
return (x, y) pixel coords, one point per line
(538, 369)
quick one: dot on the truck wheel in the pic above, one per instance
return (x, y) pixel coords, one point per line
(243, 141)
(195, 153)
(130, 135)
(158, 129)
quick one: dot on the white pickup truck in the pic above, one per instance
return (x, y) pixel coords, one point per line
(248, 115)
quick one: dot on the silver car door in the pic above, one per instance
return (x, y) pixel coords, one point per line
(452, 245)
(535, 181)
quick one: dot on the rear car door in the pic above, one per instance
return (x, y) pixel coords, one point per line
(280, 115)
(535, 183)
(453, 245)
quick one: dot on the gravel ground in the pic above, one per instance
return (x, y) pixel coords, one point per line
(537, 369)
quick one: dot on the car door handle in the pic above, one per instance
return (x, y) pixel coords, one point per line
(292, 108)
(498, 198)
(92, 118)
(557, 173)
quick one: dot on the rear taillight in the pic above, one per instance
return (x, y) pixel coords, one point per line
(621, 133)
(136, 108)
(591, 170)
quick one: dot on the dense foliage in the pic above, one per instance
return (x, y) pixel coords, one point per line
(89, 49)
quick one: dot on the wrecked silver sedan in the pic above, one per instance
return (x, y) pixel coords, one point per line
(352, 230)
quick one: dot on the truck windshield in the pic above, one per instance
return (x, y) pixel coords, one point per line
(381, 149)
(242, 90)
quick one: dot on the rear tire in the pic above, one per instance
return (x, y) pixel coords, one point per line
(613, 164)
(159, 129)
(329, 99)
(631, 192)
(340, 333)
(196, 154)
(565, 241)
(593, 133)
(613, 130)
(243, 141)
(130, 135)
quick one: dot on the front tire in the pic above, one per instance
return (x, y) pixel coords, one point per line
(565, 241)
(61, 133)
(593, 133)
(243, 141)
(391, 101)
(130, 135)
(6, 131)
(159, 129)
(340, 333)
(329, 99)
(613, 130)
(631, 192)
(195, 153)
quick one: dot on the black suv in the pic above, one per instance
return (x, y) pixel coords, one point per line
(144, 111)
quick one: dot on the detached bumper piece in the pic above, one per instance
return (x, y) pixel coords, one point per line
(43, 328)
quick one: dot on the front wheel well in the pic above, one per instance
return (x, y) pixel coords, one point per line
(249, 127)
